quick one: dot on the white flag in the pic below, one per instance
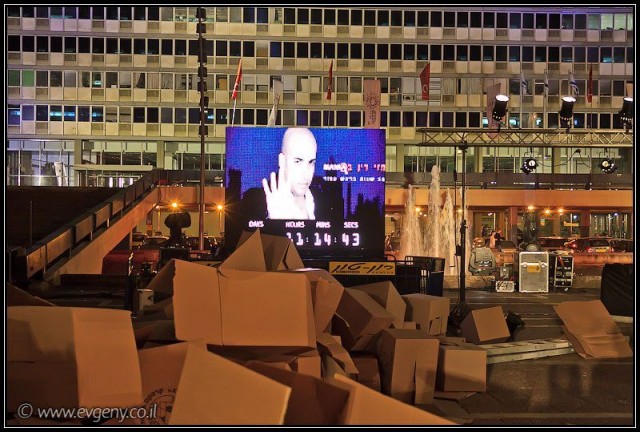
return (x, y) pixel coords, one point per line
(574, 85)
(523, 83)
(546, 83)
(277, 96)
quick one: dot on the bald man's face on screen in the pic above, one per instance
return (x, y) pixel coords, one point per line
(298, 159)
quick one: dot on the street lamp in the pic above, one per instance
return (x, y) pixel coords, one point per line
(220, 209)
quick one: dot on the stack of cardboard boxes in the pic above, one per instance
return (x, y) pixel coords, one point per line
(257, 339)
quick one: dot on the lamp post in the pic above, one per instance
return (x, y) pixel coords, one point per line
(204, 101)
(460, 311)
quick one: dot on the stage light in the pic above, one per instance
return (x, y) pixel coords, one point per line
(566, 111)
(500, 107)
(626, 113)
(529, 165)
(608, 165)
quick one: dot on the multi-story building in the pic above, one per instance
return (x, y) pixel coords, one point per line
(113, 91)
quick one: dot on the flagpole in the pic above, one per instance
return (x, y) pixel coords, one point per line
(545, 94)
(233, 115)
(521, 100)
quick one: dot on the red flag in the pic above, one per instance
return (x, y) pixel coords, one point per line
(330, 86)
(236, 86)
(590, 84)
(424, 80)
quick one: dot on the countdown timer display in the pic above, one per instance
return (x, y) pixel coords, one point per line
(322, 188)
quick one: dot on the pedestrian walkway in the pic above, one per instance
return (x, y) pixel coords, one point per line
(558, 390)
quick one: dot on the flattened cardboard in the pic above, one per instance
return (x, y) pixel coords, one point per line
(312, 401)
(161, 368)
(462, 368)
(329, 346)
(326, 298)
(363, 315)
(215, 391)
(71, 357)
(387, 296)
(431, 313)
(368, 407)
(266, 309)
(485, 326)
(398, 351)
(368, 369)
(19, 297)
(248, 256)
(592, 331)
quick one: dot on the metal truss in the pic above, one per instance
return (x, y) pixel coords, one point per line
(526, 137)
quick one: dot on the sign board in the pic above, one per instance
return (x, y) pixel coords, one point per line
(387, 268)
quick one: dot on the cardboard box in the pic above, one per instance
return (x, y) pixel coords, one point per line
(410, 325)
(71, 357)
(327, 345)
(161, 368)
(196, 299)
(462, 368)
(387, 296)
(408, 364)
(431, 313)
(326, 298)
(301, 360)
(308, 363)
(485, 326)
(215, 391)
(365, 342)
(231, 307)
(248, 256)
(312, 401)
(592, 331)
(326, 293)
(368, 407)
(368, 369)
(266, 309)
(279, 252)
(363, 315)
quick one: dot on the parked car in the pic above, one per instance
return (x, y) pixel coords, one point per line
(589, 245)
(621, 245)
(553, 244)
(154, 242)
(194, 243)
(136, 239)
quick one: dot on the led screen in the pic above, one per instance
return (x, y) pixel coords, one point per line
(323, 188)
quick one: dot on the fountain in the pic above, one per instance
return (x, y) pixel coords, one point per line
(410, 234)
(432, 228)
(441, 228)
(448, 236)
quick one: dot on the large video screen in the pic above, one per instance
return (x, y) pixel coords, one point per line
(323, 188)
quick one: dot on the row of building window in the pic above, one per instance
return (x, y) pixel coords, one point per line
(299, 117)
(354, 17)
(327, 50)
(293, 83)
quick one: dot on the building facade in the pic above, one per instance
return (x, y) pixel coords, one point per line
(105, 93)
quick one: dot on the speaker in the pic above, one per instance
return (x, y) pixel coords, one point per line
(616, 289)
